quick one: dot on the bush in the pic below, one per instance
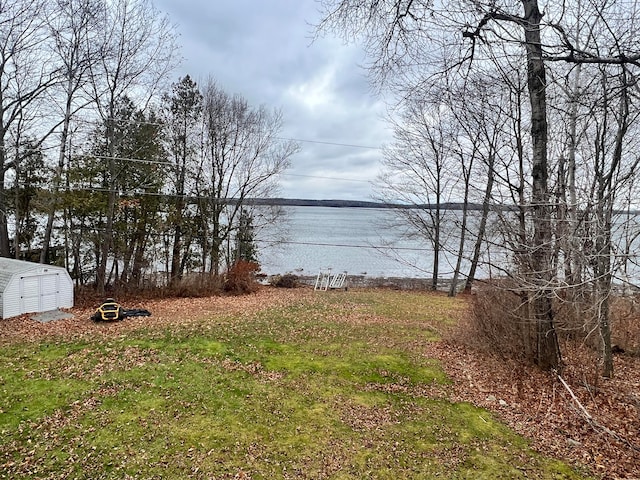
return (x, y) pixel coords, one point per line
(625, 323)
(288, 280)
(194, 285)
(241, 278)
(500, 322)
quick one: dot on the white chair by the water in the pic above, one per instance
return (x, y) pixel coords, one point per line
(326, 281)
(338, 280)
(323, 279)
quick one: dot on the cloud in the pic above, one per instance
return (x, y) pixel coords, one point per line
(264, 52)
(315, 93)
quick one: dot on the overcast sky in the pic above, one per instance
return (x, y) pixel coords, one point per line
(262, 50)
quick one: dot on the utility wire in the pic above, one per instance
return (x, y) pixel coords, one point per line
(316, 244)
(160, 124)
(351, 145)
(325, 178)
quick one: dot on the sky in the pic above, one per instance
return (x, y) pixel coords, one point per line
(264, 51)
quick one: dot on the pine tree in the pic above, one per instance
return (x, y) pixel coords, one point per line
(245, 239)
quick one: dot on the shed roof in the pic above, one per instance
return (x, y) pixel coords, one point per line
(13, 265)
(9, 267)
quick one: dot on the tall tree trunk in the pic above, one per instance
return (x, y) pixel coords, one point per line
(112, 195)
(466, 174)
(4, 229)
(437, 219)
(106, 243)
(139, 253)
(216, 240)
(603, 288)
(453, 289)
(57, 177)
(17, 213)
(572, 210)
(548, 350)
(176, 252)
(436, 247)
(482, 228)
(604, 210)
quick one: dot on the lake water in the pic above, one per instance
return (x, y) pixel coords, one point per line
(355, 240)
(360, 242)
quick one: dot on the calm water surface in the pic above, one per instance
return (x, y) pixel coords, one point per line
(355, 240)
(360, 242)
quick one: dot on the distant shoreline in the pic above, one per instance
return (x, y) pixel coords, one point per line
(301, 202)
(333, 203)
(397, 283)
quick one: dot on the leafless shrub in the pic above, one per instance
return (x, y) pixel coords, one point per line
(499, 323)
(241, 278)
(625, 316)
(502, 324)
(200, 285)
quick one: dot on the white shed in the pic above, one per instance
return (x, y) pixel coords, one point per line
(27, 287)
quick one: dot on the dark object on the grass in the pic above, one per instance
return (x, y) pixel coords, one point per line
(111, 311)
(137, 312)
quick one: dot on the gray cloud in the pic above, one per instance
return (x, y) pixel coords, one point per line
(263, 51)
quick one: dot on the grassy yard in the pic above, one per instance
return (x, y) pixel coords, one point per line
(329, 385)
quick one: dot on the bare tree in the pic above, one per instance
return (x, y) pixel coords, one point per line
(72, 29)
(23, 79)
(483, 132)
(612, 170)
(417, 174)
(416, 42)
(183, 124)
(243, 159)
(136, 54)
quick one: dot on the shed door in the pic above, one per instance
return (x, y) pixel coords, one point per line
(38, 293)
(48, 292)
(29, 294)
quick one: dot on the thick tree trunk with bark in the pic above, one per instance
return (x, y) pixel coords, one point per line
(548, 350)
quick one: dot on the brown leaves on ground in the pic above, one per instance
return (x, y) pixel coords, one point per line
(164, 312)
(536, 405)
(532, 402)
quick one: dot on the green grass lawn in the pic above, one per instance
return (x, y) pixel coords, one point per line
(332, 386)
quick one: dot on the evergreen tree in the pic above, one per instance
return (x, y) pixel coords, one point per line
(30, 178)
(245, 248)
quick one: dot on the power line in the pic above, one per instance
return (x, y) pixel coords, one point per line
(352, 145)
(325, 178)
(169, 164)
(161, 124)
(317, 244)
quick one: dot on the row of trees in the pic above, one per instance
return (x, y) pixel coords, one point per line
(503, 104)
(102, 159)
